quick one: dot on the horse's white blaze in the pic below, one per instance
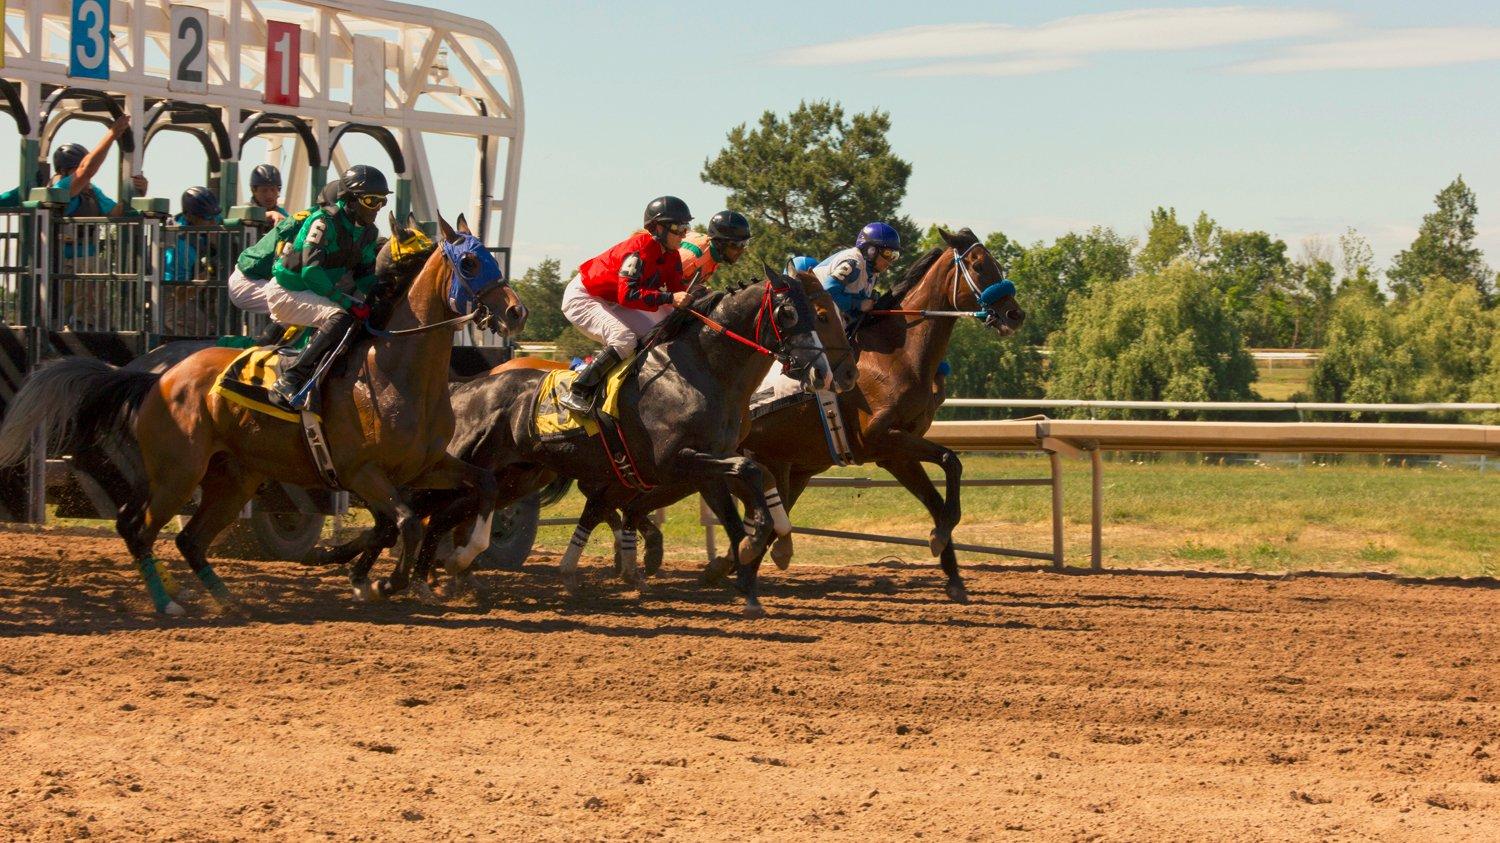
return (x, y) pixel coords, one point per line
(479, 539)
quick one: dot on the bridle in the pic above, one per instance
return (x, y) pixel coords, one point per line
(765, 315)
(463, 294)
(983, 297)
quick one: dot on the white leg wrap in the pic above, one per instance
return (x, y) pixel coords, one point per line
(779, 520)
(627, 546)
(464, 556)
(575, 549)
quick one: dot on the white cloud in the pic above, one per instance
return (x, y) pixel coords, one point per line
(1394, 48)
(1138, 30)
(1026, 66)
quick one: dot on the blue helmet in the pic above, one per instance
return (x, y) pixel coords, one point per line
(803, 263)
(878, 235)
(200, 202)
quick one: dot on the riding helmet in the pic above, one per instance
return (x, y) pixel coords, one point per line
(265, 174)
(729, 225)
(364, 180)
(879, 235)
(668, 209)
(66, 158)
(200, 202)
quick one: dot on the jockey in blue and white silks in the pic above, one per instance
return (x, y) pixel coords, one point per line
(849, 275)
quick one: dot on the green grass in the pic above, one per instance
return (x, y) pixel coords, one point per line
(1171, 514)
(1282, 382)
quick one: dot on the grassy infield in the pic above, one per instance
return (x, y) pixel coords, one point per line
(1348, 516)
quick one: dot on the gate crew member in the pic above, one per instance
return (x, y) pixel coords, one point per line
(188, 257)
(618, 295)
(849, 275)
(322, 279)
(702, 254)
(265, 192)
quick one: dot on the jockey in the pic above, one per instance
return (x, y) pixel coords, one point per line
(728, 235)
(250, 282)
(265, 191)
(182, 258)
(322, 277)
(849, 275)
(616, 296)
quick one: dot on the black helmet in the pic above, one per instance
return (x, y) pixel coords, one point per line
(263, 175)
(200, 202)
(668, 209)
(66, 158)
(331, 192)
(729, 225)
(363, 180)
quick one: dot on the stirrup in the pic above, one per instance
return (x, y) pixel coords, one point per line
(286, 402)
(581, 405)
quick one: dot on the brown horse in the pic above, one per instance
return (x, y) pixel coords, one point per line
(892, 407)
(386, 416)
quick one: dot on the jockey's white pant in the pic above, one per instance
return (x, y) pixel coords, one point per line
(249, 294)
(614, 325)
(298, 307)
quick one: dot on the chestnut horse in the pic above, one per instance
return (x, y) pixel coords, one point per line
(386, 415)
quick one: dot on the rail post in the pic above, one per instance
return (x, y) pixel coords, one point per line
(1096, 511)
(1055, 459)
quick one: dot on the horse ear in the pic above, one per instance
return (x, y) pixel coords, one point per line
(770, 273)
(395, 227)
(448, 233)
(947, 236)
(463, 226)
(412, 222)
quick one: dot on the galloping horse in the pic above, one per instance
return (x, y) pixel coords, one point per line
(386, 415)
(682, 414)
(893, 405)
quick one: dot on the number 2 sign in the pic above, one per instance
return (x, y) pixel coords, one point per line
(88, 48)
(189, 49)
(283, 62)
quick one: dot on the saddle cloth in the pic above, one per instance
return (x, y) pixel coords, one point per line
(777, 392)
(247, 382)
(552, 420)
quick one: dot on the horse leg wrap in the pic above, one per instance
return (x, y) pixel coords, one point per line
(211, 581)
(779, 520)
(575, 548)
(150, 569)
(164, 573)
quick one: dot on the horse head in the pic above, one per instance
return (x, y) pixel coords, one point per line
(979, 284)
(787, 324)
(459, 277)
(830, 326)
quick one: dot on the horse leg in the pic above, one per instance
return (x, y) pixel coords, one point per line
(386, 502)
(911, 475)
(781, 523)
(380, 537)
(455, 490)
(168, 488)
(946, 516)
(226, 489)
(719, 499)
(652, 539)
(595, 510)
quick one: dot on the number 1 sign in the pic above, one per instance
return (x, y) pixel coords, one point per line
(283, 63)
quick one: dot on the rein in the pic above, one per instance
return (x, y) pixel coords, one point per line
(960, 269)
(723, 331)
(476, 313)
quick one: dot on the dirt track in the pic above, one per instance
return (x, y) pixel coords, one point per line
(1113, 706)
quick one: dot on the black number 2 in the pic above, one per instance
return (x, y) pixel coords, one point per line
(190, 28)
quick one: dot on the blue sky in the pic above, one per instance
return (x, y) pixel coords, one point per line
(1031, 118)
(1301, 118)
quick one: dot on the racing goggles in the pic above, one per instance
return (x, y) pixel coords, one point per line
(679, 230)
(372, 201)
(889, 254)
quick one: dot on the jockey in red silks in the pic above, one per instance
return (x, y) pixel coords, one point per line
(621, 294)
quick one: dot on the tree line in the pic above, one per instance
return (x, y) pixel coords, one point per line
(1167, 318)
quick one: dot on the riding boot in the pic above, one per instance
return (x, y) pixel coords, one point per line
(580, 399)
(284, 393)
(272, 335)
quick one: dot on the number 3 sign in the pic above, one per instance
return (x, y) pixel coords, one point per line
(88, 49)
(189, 49)
(283, 62)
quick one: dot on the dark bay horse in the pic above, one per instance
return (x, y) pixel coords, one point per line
(892, 407)
(386, 415)
(681, 413)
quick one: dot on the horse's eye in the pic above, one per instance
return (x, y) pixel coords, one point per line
(468, 265)
(822, 319)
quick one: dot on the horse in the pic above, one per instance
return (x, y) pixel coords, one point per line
(476, 415)
(888, 412)
(386, 416)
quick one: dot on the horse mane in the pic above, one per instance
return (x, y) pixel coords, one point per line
(917, 271)
(393, 277)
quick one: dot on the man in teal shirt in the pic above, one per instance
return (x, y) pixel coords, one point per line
(323, 277)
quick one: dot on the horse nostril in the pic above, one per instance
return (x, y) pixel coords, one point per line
(515, 312)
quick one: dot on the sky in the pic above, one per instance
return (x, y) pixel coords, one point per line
(1302, 119)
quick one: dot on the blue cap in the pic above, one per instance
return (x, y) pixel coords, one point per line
(997, 291)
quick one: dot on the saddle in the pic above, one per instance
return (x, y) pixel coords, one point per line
(247, 380)
(551, 421)
(772, 398)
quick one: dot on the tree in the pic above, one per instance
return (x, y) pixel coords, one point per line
(1444, 247)
(1166, 240)
(810, 182)
(1363, 360)
(1447, 333)
(1049, 277)
(1359, 266)
(1253, 275)
(541, 290)
(1312, 297)
(1161, 336)
(575, 343)
(987, 365)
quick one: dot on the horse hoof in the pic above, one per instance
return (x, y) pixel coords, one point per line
(716, 571)
(172, 609)
(753, 611)
(939, 541)
(956, 591)
(781, 552)
(651, 567)
(367, 592)
(573, 584)
(423, 593)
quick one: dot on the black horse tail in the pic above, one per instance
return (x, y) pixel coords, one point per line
(554, 491)
(77, 403)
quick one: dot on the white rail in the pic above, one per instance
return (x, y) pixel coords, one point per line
(1219, 406)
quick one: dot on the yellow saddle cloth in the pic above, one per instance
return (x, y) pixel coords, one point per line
(247, 382)
(552, 420)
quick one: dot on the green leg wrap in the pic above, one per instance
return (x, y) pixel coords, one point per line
(168, 581)
(215, 585)
(150, 572)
